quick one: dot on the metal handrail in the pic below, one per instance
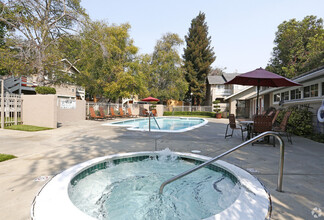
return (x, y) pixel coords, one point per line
(150, 113)
(267, 133)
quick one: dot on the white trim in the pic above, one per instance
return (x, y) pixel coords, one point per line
(235, 94)
(53, 201)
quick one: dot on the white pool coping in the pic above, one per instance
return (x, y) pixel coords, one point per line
(131, 128)
(53, 202)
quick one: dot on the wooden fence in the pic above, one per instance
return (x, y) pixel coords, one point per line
(10, 108)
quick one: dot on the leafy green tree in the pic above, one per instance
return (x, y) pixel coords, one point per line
(108, 61)
(38, 25)
(299, 47)
(198, 57)
(166, 80)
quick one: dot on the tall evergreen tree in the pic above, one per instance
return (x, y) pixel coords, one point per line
(198, 57)
(299, 47)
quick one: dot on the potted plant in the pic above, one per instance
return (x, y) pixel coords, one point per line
(217, 109)
(153, 109)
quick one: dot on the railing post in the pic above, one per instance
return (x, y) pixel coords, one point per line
(149, 121)
(2, 104)
(281, 163)
(15, 111)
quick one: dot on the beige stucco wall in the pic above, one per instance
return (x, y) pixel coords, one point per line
(65, 90)
(39, 110)
(243, 95)
(76, 114)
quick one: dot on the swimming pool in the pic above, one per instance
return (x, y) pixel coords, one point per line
(162, 124)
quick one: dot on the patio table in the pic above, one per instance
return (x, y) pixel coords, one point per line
(249, 125)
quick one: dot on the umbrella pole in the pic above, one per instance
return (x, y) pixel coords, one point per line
(257, 101)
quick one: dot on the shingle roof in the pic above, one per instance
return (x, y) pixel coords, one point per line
(221, 79)
(216, 80)
(230, 76)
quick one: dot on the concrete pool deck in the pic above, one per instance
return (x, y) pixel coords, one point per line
(46, 153)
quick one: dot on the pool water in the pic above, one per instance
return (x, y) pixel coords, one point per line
(171, 124)
(130, 190)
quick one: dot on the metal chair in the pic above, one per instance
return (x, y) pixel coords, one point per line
(233, 126)
(262, 123)
(282, 128)
(275, 118)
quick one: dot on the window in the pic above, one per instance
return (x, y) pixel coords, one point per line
(311, 91)
(306, 92)
(276, 97)
(295, 94)
(285, 95)
(314, 90)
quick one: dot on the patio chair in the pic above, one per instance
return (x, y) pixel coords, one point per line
(144, 112)
(121, 112)
(232, 124)
(282, 128)
(129, 113)
(262, 123)
(102, 113)
(154, 113)
(275, 118)
(112, 112)
(93, 114)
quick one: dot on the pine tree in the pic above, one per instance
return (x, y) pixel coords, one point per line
(198, 57)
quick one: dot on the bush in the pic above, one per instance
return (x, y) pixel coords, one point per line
(211, 114)
(300, 120)
(45, 90)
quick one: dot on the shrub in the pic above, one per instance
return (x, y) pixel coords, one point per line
(45, 90)
(211, 114)
(300, 120)
(216, 106)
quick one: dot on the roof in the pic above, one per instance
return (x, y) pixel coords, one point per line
(239, 92)
(221, 79)
(230, 76)
(216, 80)
(299, 79)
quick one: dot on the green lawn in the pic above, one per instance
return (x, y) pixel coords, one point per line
(4, 157)
(27, 128)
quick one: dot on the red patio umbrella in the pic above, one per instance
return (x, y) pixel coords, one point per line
(150, 99)
(261, 77)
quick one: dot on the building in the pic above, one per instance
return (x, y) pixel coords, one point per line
(310, 94)
(220, 91)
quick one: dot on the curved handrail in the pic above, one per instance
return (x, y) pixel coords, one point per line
(264, 134)
(150, 113)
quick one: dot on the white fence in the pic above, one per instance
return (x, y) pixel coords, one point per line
(223, 108)
(10, 108)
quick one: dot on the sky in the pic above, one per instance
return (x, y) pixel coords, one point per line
(242, 32)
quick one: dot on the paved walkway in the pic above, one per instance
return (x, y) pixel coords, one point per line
(47, 153)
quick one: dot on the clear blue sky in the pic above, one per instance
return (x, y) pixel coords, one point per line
(242, 32)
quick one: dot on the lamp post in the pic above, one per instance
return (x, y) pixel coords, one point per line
(191, 101)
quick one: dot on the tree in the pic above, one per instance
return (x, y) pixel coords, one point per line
(108, 62)
(166, 80)
(39, 24)
(198, 57)
(299, 47)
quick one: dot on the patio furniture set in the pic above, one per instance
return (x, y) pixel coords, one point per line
(260, 124)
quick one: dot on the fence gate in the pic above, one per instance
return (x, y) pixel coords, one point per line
(10, 108)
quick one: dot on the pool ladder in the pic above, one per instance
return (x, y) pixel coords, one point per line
(252, 140)
(150, 113)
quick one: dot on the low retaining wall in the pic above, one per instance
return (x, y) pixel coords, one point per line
(48, 110)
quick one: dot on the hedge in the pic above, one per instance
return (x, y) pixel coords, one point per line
(45, 90)
(300, 120)
(211, 114)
